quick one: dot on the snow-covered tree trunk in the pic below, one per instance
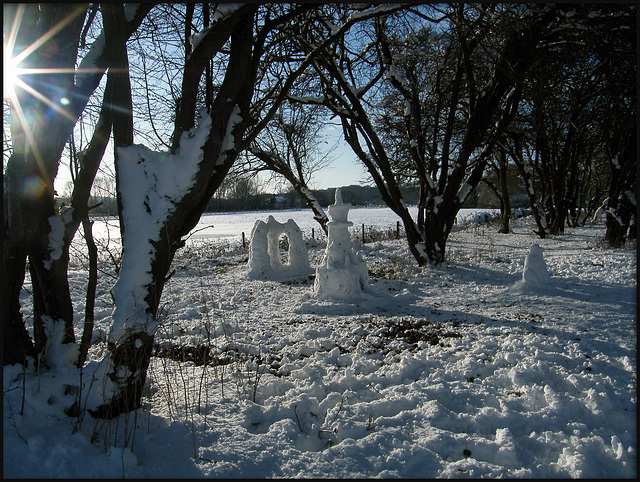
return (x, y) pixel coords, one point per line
(312, 202)
(161, 196)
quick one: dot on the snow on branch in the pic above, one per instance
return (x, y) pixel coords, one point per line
(228, 144)
(89, 64)
(307, 99)
(464, 192)
(223, 10)
(385, 8)
(393, 74)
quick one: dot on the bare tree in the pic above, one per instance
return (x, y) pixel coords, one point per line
(171, 189)
(500, 166)
(574, 138)
(291, 147)
(479, 113)
(618, 121)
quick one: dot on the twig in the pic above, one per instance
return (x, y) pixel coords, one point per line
(371, 424)
(13, 422)
(24, 386)
(342, 400)
(298, 419)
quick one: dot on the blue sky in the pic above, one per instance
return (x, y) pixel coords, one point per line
(345, 170)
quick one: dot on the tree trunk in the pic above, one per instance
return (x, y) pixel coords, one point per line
(622, 207)
(31, 227)
(527, 179)
(505, 203)
(92, 283)
(16, 342)
(131, 339)
(435, 237)
(31, 215)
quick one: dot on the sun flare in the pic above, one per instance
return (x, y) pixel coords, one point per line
(10, 73)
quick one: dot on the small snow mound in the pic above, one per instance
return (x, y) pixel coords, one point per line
(535, 269)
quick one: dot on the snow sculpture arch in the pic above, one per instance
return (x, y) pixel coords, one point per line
(264, 252)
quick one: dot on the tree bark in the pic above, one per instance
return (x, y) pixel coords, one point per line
(30, 215)
(621, 205)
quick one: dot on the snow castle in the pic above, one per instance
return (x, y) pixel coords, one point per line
(342, 274)
(264, 253)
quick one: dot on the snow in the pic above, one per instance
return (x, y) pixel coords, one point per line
(197, 38)
(450, 371)
(309, 195)
(464, 192)
(225, 9)
(228, 142)
(56, 352)
(374, 11)
(228, 227)
(130, 10)
(394, 74)
(535, 271)
(615, 163)
(56, 240)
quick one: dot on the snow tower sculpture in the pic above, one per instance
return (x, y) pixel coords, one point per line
(535, 269)
(264, 252)
(342, 274)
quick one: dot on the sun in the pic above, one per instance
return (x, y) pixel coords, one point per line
(10, 72)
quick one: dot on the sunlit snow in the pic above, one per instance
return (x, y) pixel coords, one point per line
(451, 371)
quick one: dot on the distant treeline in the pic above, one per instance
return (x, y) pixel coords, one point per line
(355, 195)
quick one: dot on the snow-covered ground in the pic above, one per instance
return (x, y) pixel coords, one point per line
(457, 371)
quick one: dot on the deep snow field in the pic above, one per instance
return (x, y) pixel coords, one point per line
(455, 371)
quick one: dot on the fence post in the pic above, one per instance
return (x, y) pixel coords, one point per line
(244, 245)
(397, 229)
(362, 233)
(313, 234)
